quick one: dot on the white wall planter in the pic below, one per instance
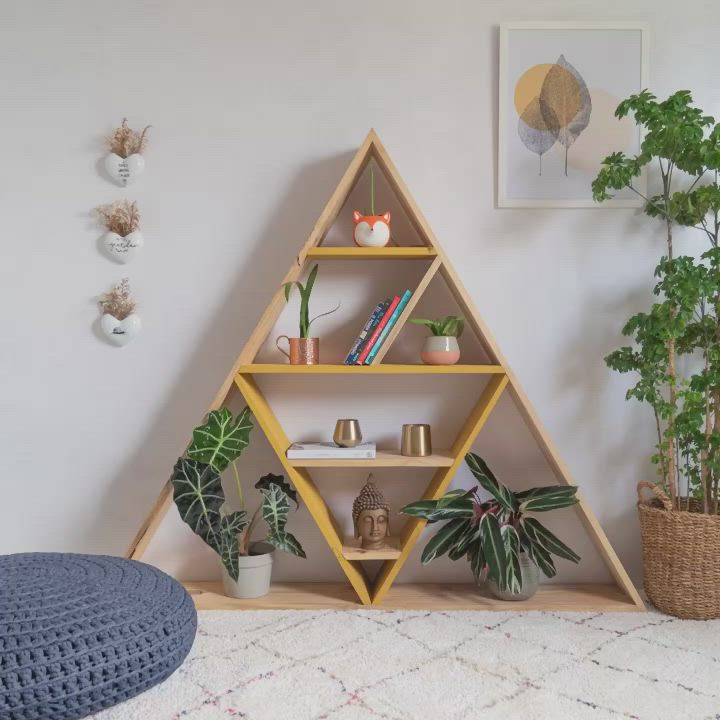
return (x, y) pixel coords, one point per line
(121, 248)
(120, 332)
(124, 171)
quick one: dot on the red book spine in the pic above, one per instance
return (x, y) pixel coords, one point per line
(378, 330)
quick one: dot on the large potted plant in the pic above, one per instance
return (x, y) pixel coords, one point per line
(675, 352)
(200, 499)
(501, 541)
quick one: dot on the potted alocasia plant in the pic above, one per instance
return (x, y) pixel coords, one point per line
(502, 542)
(675, 351)
(201, 501)
(304, 350)
(442, 347)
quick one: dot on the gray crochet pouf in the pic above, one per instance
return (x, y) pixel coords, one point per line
(80, 633)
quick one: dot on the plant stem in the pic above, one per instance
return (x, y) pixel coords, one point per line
(372, 191)
(238, 485)
(245, 541)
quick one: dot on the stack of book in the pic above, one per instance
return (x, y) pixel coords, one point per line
(322, 450)
(377, 328)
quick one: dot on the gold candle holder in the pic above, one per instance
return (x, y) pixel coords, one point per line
(415, 440)
(347, 433)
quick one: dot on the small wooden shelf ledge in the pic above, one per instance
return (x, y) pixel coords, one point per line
(383, 458)
(351, 550)
(368, 253)
(384, 369)
(340, 596)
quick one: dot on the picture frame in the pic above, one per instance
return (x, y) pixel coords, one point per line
(557, 87)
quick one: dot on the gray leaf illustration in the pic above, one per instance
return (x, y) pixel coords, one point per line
(538, 128)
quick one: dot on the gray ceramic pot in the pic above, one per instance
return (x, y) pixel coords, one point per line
(530, 581)
(254, 575)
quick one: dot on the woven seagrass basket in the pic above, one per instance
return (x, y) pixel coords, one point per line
(681, 556)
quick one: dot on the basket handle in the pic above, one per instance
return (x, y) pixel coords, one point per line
(659, 494)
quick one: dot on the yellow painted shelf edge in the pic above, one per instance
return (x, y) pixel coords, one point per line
(413, 596)
(384, 369)
(365, 253)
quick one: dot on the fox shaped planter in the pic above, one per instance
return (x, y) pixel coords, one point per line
(371, 230)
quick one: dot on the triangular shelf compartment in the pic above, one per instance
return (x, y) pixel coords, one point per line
(498, 379)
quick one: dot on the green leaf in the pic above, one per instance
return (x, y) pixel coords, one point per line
(220, 440)
(494, 549)
(432, 510)
(546, 499)
(266, 481)
(541, 535)
(443, 540)
(288, 543)
(275, 510)
(478, 467)
(513, 574)
(231, 525)
(476, 556)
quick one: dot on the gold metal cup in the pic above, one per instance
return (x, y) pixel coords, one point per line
(303, 351)
(347, 433)
(415, 440)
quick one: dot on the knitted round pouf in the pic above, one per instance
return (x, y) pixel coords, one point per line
(79, 633)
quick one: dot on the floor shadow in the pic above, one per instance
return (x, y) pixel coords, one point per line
(135, 488)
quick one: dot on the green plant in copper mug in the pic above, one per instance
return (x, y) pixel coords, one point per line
(497, 536)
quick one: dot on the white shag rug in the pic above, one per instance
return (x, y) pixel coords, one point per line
(330, 665)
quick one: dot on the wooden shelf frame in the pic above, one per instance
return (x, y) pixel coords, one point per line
(500, 377)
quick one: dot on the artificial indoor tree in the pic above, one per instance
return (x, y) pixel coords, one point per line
(676, 349)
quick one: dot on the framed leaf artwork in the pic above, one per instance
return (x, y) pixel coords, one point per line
(559, 86)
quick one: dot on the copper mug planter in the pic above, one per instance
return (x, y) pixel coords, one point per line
(303, 351)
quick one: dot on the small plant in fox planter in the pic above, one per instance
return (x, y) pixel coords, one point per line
(123, 238)
(125, 160)
(371, 230)
(119, 322)
(442, 348)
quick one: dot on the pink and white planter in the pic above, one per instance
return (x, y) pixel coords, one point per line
(440, 350)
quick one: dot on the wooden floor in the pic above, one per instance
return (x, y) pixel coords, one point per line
(340, 596)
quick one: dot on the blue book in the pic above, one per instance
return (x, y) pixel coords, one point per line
(386, 330)
(372, 322)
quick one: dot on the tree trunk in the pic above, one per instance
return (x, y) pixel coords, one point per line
(672, 480)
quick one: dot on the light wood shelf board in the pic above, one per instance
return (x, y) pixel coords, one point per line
(413, 596)
(352, 551)
(365, 253)
(383, 458)
(384, 369)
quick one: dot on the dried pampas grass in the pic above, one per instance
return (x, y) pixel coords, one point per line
(117, 302)
(125, 141)
(121, 217)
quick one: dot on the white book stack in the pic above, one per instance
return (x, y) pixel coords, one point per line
(321, 450)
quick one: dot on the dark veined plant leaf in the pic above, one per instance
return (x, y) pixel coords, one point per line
(483, 474)
(536, 553)
(432, 511)
(443, 540)
(552, 544)
(476, 556)
(513, 575)
(231, 525)
(470, 535)
(494, 549)
(275, 511)
(221, 440)
(266, 481)
(562, 497)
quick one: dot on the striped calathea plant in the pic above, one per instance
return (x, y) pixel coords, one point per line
(200, 498)
(493, 533)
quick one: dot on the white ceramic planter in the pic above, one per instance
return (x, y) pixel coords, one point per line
(121, 248)
(120, 332)
(440, 350)
(254, 574)
(529, 582)
(124, 171)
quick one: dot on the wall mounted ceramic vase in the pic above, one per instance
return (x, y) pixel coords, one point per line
(121, 248)
(371, 230)
(124, 171)
(440, 350)
(120, 332)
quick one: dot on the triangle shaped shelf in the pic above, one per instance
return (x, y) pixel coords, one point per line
(499, 378)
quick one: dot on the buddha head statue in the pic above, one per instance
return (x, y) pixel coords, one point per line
(371, 517)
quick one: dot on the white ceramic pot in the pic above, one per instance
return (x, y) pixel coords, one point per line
(123, 248)
(440, 350)
(529, 582)
(120, 332)
(254, 573)
(124, 171)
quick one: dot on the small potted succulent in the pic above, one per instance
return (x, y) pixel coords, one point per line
(442, 348)
(123, 238)
(304, 350)
(201, 502)
(125, 160)
(503, 544)
(119, 321)
(370, 229)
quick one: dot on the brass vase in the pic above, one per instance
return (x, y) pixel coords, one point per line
(303, 351)
(347, 433)
(415, 441)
